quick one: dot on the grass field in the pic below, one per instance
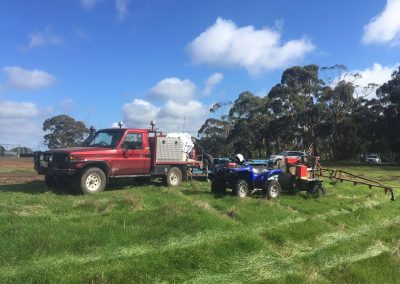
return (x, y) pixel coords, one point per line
(142, 233)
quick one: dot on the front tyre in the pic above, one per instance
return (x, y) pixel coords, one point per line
(93, 180)
(272, 189)
(241, 188)
(174, 177)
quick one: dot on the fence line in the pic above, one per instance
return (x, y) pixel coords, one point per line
(14, 150)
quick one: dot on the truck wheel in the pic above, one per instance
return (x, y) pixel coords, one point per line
(174, 177)
(272, 189)
(241, 188)
(93, 180)
(218, 187)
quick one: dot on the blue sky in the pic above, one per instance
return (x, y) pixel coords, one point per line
(103, 61)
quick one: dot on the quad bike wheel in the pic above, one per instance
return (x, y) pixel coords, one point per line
(272, 189)
(241, 188)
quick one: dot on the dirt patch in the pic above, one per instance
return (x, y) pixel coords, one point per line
(16, 163)
(15, 170)
(19, 179)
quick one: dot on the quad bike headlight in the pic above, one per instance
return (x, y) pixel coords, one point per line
(50, 158)
(41, 157)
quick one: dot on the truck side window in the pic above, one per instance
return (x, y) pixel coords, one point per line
(133, 141)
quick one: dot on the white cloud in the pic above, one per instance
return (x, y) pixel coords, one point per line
(121, 6)
(14, 110)
(139, 113)
(18, 123)
(213, 80)
(385, 27)
(378, 74)
(23, 79)
(172, 117)
(44, 38)
(67, 105)
(173, 89)
(174, 107)
(89, 4)
(225, 44)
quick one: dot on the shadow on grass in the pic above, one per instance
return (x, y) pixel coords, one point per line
(36, 187)
(39, 187)
(119, 184)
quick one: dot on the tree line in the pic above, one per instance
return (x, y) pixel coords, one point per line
(322, 107)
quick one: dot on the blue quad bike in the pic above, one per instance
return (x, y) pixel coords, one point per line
(245, 179)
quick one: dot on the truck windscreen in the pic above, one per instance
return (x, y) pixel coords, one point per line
(106, 138)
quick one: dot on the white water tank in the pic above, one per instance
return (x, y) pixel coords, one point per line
(187, 143)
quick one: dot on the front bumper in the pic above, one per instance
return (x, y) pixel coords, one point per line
(52, 168)
(55, 171)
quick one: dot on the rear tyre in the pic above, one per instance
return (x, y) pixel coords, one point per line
(218, 187)
(272, 189)
(317, 190)
(93, 180)
(241, 188)
(174, 177)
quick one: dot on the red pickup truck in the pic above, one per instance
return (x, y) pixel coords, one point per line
(118, 153)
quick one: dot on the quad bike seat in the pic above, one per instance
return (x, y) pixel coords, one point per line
(258, 170)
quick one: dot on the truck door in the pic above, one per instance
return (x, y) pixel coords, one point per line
(134, 155)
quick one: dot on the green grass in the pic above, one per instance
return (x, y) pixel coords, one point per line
(148, 233)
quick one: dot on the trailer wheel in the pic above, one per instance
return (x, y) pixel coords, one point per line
(241, 188)
(174, 177)
(218, 187)
(317, 190)
(272, 189)
(93, 180)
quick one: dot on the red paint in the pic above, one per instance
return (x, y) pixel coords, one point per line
(301, 171)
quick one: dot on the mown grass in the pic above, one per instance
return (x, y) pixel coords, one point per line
(144, 233)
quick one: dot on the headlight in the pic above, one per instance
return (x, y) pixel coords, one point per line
(41, 157)
(50, 158)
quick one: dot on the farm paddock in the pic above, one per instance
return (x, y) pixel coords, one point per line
(144, 232)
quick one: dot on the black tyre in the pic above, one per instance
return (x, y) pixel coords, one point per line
(208, 161)
(241, 188)
(51, 181)
(317, 190)
(218, 187)
(174, 177)
(93, 180)
(272, 189)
